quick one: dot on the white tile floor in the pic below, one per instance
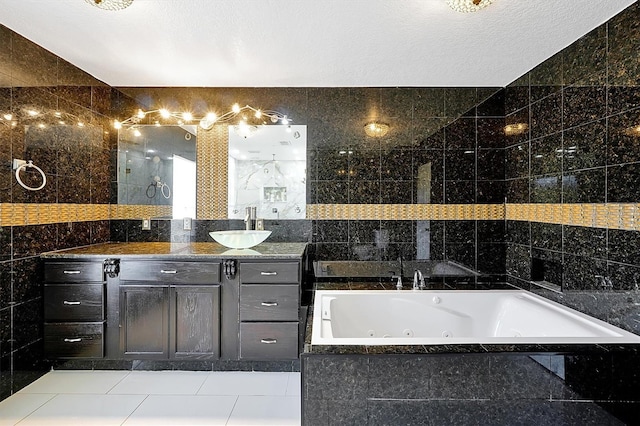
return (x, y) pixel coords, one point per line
(156, 398)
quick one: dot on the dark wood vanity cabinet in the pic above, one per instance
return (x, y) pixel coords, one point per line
(74, 309)
(169, 310)
(269, 310)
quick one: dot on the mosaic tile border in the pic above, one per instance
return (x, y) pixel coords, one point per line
(613, 216)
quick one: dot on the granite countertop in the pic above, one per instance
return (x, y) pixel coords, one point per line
(204, 250)
(310, 349)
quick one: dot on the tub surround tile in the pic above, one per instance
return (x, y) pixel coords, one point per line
(547, 78)
(585, 146)
(585, 60)
(583, 104)
(623, 183)
(623, 44)
(546, 116)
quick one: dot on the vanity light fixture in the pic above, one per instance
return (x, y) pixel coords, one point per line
(206, 122)
(110, 4)
(376, 129)
(468, 5)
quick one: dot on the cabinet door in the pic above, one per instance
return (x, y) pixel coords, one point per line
(195, 324)
(144, 316)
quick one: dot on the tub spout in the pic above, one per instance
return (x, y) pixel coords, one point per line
(418, 280)
(399, 283)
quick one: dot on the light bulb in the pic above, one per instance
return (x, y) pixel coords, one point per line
(117, 124)
(141, 113)
(32, 112)
(258, 114)
(187, 116)
(212, 117)
(164, 113)
(80, 124)
(8, 117)
(137, 133)
(235, 108)
(285, 120)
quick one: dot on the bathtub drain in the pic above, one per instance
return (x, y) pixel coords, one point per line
(371, 333)
(407, 332)
(447, 334)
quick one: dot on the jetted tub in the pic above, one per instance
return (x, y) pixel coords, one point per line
(426, 317)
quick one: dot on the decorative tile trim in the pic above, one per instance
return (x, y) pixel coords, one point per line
(212, 155)
(406, 211)
(613, 216)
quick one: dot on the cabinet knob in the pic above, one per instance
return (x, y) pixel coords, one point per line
(268, 273)
(168, 271)
(268, 341)
(269, 303)
(78, 339)
(71, 272)
(66, 302)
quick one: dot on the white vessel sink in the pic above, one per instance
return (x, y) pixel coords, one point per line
(240, 239)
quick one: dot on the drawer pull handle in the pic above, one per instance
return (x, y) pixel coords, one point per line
(70, 272)
(268, 273)
(168, 271)
(76, 340)
(269, 341)
(66, 302)
(269, 303)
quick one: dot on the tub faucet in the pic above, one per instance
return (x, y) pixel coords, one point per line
(418, 280)
(399, 283)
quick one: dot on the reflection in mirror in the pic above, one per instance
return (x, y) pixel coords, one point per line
(267, 170)
(157, 166)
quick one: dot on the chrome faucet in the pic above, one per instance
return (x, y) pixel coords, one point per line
(418, 280)
(250, 214)
(399, 283)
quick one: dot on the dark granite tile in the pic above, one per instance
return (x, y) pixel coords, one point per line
(491, 164)
(622, 98)
(517, 161)
(6, 344)
(363, 231)
(332, 192)
(583, 104)
(546, 155)
(491, 258)
(546, 78)
(397, 230)
(27, 279)
(546, 236)
(517, 127)
(460, 164)
(6, 296)
(396, 164)
(27, 323)
(332, 164)
(518, 262)
(461, 134)
(623, 183)
(585, 60)
(364, 192)
(586, 186)
(491, 132)
(460, 231)
(624, 277)
(459, 101)
(73, 234)
(623, 245)
(331, 251)
(517, 94)
(33, 240)
(493, 106)
(99, 231)
(491, 231)
(335, 377)
(490, 192)
(33, 65)
(584, 241)
(330, 231)
(396, 192)
(459, 192)
(518, 232)
(624, 44)
(463, 253)
(580, 272)
(428, 102)
(398, 250)
(546, 116)
(434, 159)
(517, 190)
(546, 189)
(585, 146)
(622, 138)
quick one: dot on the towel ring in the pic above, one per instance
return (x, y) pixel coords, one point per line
(24, 166)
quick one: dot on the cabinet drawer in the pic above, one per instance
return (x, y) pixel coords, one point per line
(269, 340)
(284, 272)
(73, 302)
(73, 272)
(170, 272)
(74, 340)
(259, 302)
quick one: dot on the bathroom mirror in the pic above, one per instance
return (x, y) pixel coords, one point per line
(157, 166)
(267, 169)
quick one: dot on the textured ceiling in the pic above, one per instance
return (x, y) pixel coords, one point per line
(306, 43)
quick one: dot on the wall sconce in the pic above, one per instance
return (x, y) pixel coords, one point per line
(515, 129)
(376, 130)
(468, 5)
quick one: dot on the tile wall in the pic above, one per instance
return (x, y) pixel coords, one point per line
(56, 115)
(581, 110)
